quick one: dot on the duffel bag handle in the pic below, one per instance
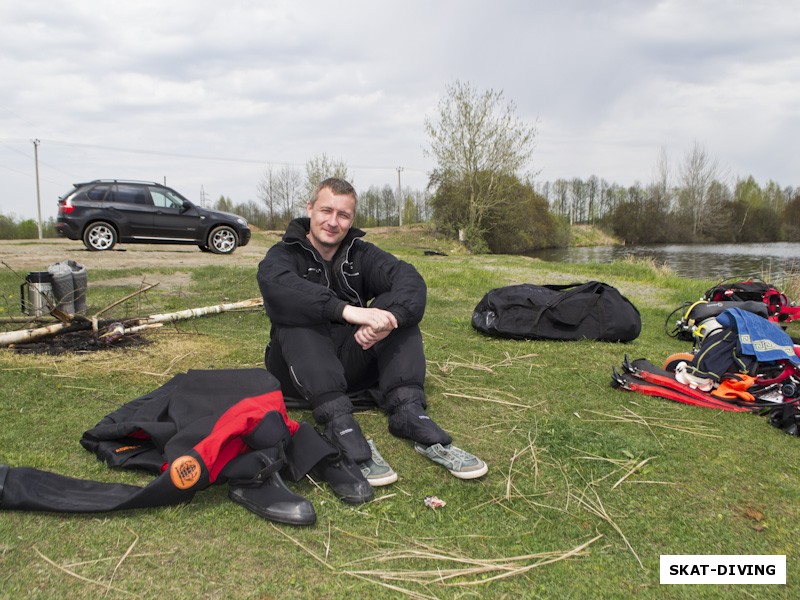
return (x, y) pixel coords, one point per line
(576, 313)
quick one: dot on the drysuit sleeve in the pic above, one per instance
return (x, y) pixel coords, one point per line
(291, 299)
(395, 285)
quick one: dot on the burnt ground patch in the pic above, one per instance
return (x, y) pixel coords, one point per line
(79, 342)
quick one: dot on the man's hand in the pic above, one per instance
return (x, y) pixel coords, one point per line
(375, 324)
(368, 337)
(375, 318)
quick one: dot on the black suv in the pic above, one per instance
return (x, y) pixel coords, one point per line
(104, 212)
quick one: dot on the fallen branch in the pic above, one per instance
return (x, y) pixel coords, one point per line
(138, 292)
(42, 319)
(199, 312)
(27, 335)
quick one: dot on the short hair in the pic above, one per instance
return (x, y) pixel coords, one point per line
(339, 187)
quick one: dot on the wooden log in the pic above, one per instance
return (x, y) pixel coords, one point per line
(199, 312)
(28, 335)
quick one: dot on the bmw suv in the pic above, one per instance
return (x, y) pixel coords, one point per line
(104, 212)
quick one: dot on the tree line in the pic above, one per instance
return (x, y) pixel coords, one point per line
(696, 204)
(283, 193)
(12, 228)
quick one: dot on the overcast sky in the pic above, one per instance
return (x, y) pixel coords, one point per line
(206, 94)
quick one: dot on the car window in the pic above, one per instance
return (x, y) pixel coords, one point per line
(166, 199)
(130, 194)
(98, 192)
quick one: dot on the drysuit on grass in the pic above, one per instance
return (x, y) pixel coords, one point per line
(200, 428)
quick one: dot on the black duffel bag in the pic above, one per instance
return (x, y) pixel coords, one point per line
(577, 311)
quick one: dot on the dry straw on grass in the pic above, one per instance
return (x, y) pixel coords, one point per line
(70, 568)
(483, 364)
(450, 569)
(690, 426)
(595, 506)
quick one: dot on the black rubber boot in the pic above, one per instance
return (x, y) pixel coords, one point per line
(346, 480)
(255, 481)
(273, 501)
(264, 491)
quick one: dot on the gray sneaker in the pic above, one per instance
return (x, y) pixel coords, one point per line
(459, 462)
(376, 470)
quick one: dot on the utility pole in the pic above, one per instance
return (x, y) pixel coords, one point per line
(38, 194)
(399, 196)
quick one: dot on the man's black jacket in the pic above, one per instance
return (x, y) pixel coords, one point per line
(300, 288)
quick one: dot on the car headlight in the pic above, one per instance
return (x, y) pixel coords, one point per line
(241, 222)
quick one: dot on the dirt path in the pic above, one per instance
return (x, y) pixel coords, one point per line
(35, 255)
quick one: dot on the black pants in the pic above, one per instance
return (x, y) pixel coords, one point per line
(323, 364)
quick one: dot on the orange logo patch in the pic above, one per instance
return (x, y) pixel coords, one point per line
(184, 472)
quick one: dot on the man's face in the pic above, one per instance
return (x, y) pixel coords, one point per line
(331, 218)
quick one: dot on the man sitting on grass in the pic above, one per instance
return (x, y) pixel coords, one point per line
(345, 317)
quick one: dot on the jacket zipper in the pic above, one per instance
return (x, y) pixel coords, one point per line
(344, 277)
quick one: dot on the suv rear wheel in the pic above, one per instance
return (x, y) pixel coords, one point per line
(100, 236)
(222, 240)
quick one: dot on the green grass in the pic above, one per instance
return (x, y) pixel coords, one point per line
(558, 439)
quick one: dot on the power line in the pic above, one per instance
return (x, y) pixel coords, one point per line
(208, 157)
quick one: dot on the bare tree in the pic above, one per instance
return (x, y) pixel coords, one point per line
(422, 206)
(290, 191)
(698, 172)
(320, 168)
(661, 187)
(267, 192)
(579, 204)
(387, 204)
(561, 199)
(592, 190)
(477, 139)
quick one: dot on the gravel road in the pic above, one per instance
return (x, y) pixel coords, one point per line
(35, 255)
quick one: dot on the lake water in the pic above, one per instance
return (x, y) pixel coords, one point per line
(704, 261)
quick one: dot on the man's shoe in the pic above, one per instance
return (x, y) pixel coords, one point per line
(346, 480)
(460, 463)
(376, 469)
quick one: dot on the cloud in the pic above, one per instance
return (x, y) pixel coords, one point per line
(207, 94)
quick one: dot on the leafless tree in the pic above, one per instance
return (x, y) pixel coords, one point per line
(698, 172)
(267, 192)
(320, 168)
(661, 186)
(290, 191)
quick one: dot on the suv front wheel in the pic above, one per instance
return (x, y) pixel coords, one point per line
(222, 240)
(100, 236)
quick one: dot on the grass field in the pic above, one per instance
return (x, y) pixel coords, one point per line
(588, 486)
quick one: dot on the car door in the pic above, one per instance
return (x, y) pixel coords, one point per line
(130, 208)
(175, 218)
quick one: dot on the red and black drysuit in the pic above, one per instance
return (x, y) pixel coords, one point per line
(312, 350)
(200, 428)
